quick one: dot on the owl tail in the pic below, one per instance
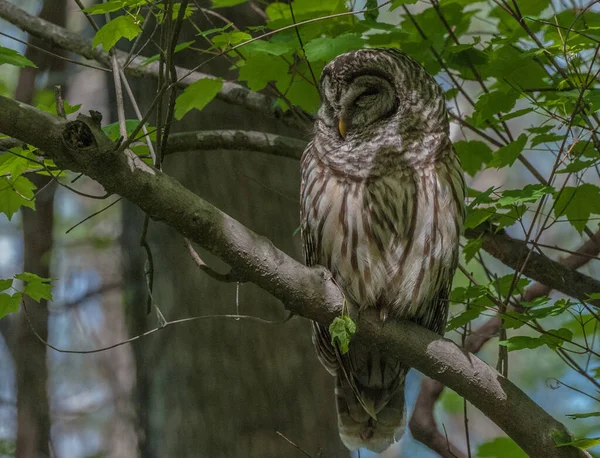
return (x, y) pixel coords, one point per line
(365, 423)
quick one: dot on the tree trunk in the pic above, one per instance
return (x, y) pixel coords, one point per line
(218, 387)
(33, 419)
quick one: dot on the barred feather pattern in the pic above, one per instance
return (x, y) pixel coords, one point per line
(382, 208)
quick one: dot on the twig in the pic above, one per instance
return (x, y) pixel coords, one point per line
(227, 278)
(293, 444)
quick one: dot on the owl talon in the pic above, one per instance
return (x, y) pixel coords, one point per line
(383, 314)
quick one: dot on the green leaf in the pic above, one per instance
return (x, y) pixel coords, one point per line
(326, 48)
(490, 103)
(504, 283)
(197, 95)
(508, 154)
(500, 447)
(12, 57)
(226, 3)
(113, 131)
(399, 3)
(477, 216)
(38, 290)
(373, 12)
(515, 67)
(473, 155)
(546, 138)
(471, 248)
(515, 114)
(178, 48)
(575, 416)
(102, 8)
(451, 94)
(275, 48)
(462, 294)
(584, 443)
(577, 204)
(229, 39)
(36, 287)
(530, 193)
(15, 193)
(9, 304)
(577, 166)
(5, 284)
(262, 69)
(342, 329)
(303, 94)
(113, 31)
(13, 165)
(522, 342)
(470, 314)
(509, 218)
(480, 197)
(537, 302)
(554, 338)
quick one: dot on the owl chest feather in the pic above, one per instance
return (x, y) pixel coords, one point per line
(389, 242)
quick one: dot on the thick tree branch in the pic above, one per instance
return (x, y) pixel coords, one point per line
(309, 292)
(60, 37)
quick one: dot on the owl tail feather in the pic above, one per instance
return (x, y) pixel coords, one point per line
(365, 424)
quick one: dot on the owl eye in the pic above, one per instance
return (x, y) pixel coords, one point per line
(367, 95)
(370, 91)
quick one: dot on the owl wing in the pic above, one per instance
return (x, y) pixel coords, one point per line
(321, 337)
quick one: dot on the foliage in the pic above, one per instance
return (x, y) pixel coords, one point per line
(342, 329)
(35, 287)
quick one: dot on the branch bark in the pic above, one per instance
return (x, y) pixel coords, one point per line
(309, 292)
(236, 140)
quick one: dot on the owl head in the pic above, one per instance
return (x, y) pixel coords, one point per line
(373, 91)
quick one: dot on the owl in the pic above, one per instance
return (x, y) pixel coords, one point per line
(382, 207)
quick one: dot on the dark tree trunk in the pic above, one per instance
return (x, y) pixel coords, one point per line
(33, 419)
(222, 388)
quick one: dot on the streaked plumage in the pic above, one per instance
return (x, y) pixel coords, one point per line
(381, 207)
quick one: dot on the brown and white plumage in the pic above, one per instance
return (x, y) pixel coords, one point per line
(382, 205)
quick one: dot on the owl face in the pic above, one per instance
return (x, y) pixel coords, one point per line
(370, 91)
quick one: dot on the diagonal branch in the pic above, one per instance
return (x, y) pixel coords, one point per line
(81, 146)
(555, 275)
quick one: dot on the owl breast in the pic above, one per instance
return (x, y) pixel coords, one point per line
(390, 241)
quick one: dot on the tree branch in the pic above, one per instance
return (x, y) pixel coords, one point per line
(231, 92)
(553, 274)
(81, 146)
(237, 140)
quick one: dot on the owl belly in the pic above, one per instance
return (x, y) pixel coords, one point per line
(390, 243)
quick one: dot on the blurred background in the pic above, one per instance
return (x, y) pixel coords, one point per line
(209, 388)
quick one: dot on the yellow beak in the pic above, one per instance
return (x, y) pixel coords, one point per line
(342, 128)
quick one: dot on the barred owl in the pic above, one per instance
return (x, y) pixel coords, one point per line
(382, 207)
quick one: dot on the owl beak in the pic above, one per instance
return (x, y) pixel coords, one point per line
(342, 128)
